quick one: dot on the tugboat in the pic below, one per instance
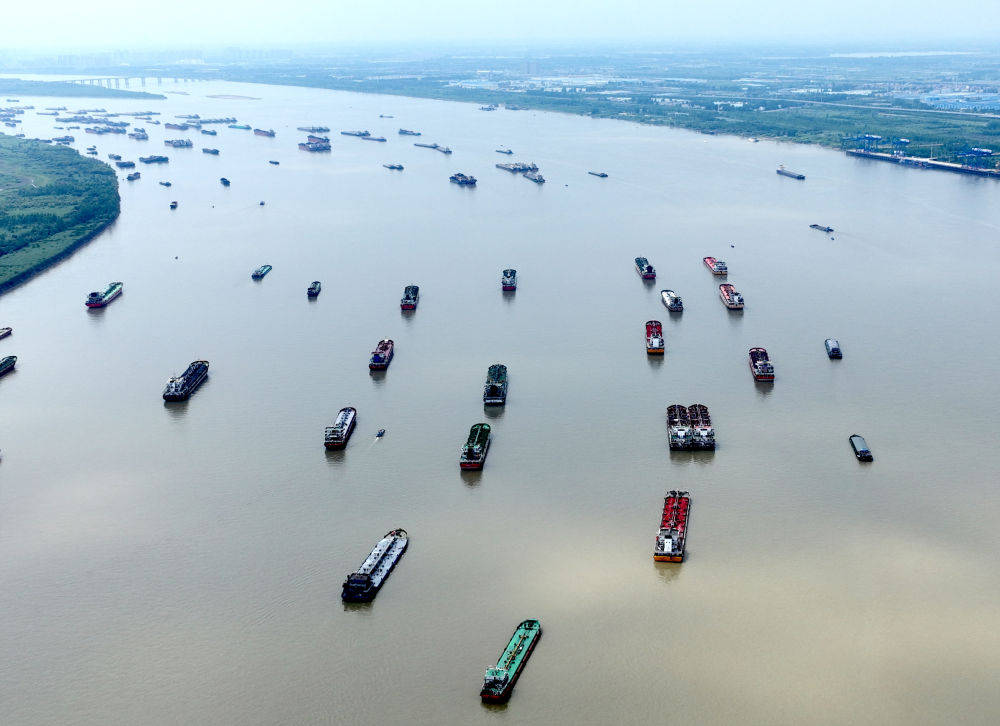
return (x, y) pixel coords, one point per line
(760, 365)
(313, 289)
(495, 390)
(259, 273)
(100, 299)
(500, 679)
(718, 267)
(463, 180)
(672, 300)
(860, 446)
(180, 388)
(381, 356)
(336, 436)
(476, 447)
(411, 296)
(224, 182)
(679, 435)
(4, 332)
(702, 433)
(654, 337)
(508, 283)
(731, 297)
(363, 585)
(833, 348)
(646, 271)
(673, 528)
(7, 364)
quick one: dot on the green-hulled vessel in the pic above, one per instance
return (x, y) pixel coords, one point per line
(476, 446)
(500, 679)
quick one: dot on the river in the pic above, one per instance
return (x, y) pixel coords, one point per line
(167, 564)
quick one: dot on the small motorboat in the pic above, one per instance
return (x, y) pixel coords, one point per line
(275, 163)
(173, 205)
(262, 203)
(833, 348)
(380, 434)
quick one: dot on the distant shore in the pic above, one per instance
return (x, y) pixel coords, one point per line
(19, 87)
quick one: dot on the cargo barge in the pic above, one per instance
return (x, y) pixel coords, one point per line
(4, 332)
(363, 584)
(654, 337)
(100, 299)
(476, 447)
(731, 297)
(336, 436)
(264, 132)
(646, 271)
(407, 132)
(821, 228)
(508, 281)
(462, 180)
(382, 355)
(411, 296)
(672, 301)
(702, 434)
(672, 537)
(718, 267)
(500, 678)
(760, 365)
(7, 364)
(180, 388)
(790, 174)
(495, 389)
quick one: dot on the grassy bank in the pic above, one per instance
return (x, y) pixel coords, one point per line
(19, 87)
(52, 201)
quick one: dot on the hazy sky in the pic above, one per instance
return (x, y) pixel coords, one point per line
(102, 24)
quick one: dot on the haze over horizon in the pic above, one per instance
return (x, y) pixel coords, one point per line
(297, 23)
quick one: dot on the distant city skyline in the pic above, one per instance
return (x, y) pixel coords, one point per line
(59, 25)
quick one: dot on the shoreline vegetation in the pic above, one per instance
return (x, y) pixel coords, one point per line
(20, 87)
(52, 202)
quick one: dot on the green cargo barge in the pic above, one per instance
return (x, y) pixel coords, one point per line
(500, 679)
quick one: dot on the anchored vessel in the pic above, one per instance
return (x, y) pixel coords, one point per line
(173, 205)
(463, 179)
(241, 127)
(100, 299)
(702, 435)
(373, 138)
(411, 296)
(7, 364)
(394, 167)
(436, 147)
(821, 228)
(535, 177)
(601, 174)
(792, 174)
(314, 129)
(476, 446)
(155, 159)
(133, 176)
(313, 289)
(718, 267)
(264, 132)
(504, 151)
(760, 365)
(517, 167)
(259, 273)
(654, 337)
(731, 297)
(336, 436)
(833, 348)
(508, 282)
(360, 134)
(180, 388)
(500, 679)
(673, 527)
(672, 300)
(646, 271)
(407, 132)
(4, 332)
(495, 390)
(363, 584)
(381, 356)
(860, 446)
(223, 181)
(213, 152)
(679, 434)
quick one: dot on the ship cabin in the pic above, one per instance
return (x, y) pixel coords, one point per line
(860, 446)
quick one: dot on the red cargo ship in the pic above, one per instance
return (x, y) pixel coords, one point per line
(673, 528)
(718, 267)
(731, 297)
(654, 337)
(381, 356)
